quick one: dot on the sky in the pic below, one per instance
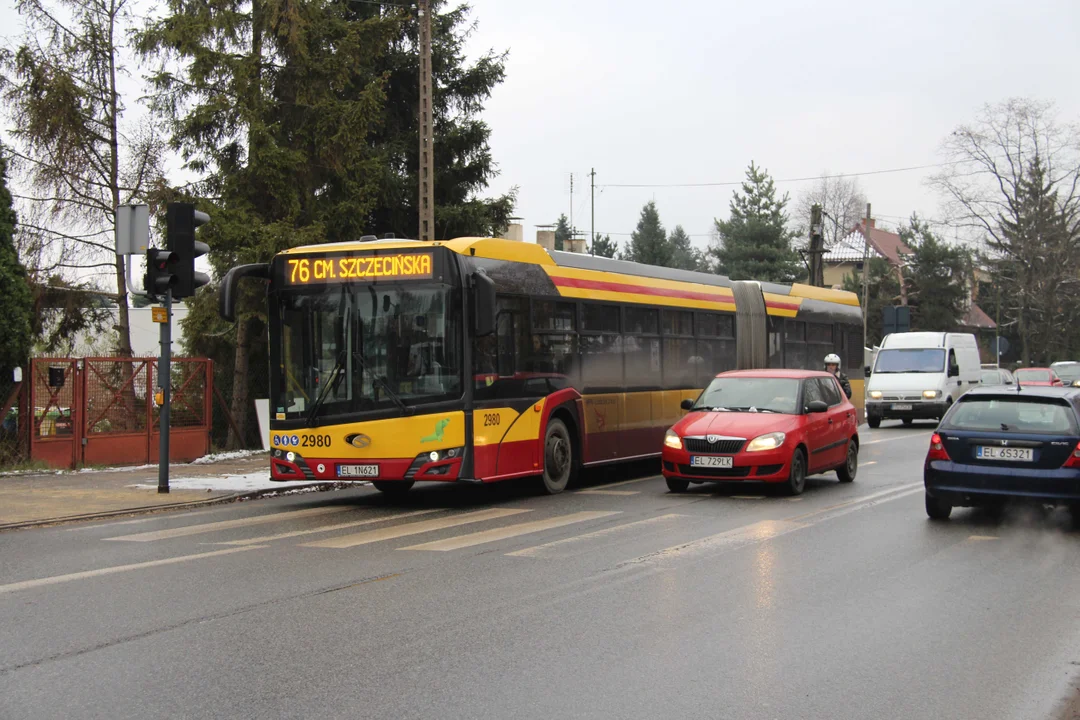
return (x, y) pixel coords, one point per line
(690, 91)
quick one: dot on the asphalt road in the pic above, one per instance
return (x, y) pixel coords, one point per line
(618, 600)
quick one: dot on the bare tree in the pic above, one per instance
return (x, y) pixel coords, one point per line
(843, 201)
(61, 85)
(1013, 181)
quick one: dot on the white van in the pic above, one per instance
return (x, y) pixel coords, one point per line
(918, 375)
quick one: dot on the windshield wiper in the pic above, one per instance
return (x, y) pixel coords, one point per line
(405, 409)
(338, 372)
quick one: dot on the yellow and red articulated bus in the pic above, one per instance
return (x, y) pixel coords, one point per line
(480, 359)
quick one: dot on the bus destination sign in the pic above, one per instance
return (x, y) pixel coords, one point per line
(317, 270)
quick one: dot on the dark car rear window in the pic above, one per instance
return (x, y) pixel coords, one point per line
(1019, 414)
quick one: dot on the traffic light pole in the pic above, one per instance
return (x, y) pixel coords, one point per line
(165, 381)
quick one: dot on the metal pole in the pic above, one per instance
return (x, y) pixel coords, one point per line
(164, 380)
(592, 211)
(427, 137)
(997, 326)
(865, 271)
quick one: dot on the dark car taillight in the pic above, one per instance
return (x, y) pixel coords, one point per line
(937, 449)
(1074, 458)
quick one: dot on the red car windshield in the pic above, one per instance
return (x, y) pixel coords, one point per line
(1033, 375)
(744, 394)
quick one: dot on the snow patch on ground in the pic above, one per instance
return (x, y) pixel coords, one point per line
(122, 468)
(232, 483)
(222, 456)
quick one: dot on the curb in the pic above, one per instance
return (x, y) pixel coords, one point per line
(149, 509)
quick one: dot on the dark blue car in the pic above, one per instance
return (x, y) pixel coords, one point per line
(998, 443)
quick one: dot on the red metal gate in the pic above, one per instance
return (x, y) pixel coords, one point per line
(55, 402)
(102, 411)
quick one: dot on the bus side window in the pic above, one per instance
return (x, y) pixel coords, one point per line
(505, 326)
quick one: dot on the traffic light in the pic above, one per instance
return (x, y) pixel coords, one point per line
(181, 221)
(161, 271)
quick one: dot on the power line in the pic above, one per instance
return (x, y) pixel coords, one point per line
(627, 234)
(411, 6)
(785, 180)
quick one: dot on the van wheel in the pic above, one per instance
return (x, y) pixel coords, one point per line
(874, 422)
(846, 472)
(394, 488)
(558, 457)
(796, 482)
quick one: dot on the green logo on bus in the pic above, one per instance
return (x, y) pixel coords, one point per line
(437, 436)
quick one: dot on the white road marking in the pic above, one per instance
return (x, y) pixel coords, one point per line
(328, 528)
(487, 536)
(56, 579)
(898, 437)
(984, 537)
(415, 528)
(620, 493)
(93, 525)
(617, 484)
(227, 524)
(866, 464)
(544, 550)
(768, 529)
(865, 500)
(745, 535)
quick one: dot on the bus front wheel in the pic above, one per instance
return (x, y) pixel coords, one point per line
(558, 457)
(393, 488)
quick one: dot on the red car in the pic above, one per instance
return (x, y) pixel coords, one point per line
(774, 426)
(1037, 376)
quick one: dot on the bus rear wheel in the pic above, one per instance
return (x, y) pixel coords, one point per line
(394, 488)
(558, 457)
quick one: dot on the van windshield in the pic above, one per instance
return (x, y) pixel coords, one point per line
(913, 360)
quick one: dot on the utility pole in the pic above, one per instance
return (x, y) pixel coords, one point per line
(817, 247)
(592, 211)
(571, 204)
(427, 139)
(865, 271)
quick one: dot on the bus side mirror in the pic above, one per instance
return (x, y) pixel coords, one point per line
(228, 293)
(485, 307)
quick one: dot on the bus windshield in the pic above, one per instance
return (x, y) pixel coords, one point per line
(346, 348)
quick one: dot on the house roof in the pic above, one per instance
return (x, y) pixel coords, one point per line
(882, 244)
(977, 319)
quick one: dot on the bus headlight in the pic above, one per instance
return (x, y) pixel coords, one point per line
(290, 456)
(875, 394)
(769, 441)
(672, 440)
(930, 394)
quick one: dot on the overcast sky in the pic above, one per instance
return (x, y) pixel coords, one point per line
(691, 91)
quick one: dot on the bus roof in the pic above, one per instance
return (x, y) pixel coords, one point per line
(566, 263)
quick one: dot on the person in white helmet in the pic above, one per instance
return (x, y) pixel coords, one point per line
(832, 364)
